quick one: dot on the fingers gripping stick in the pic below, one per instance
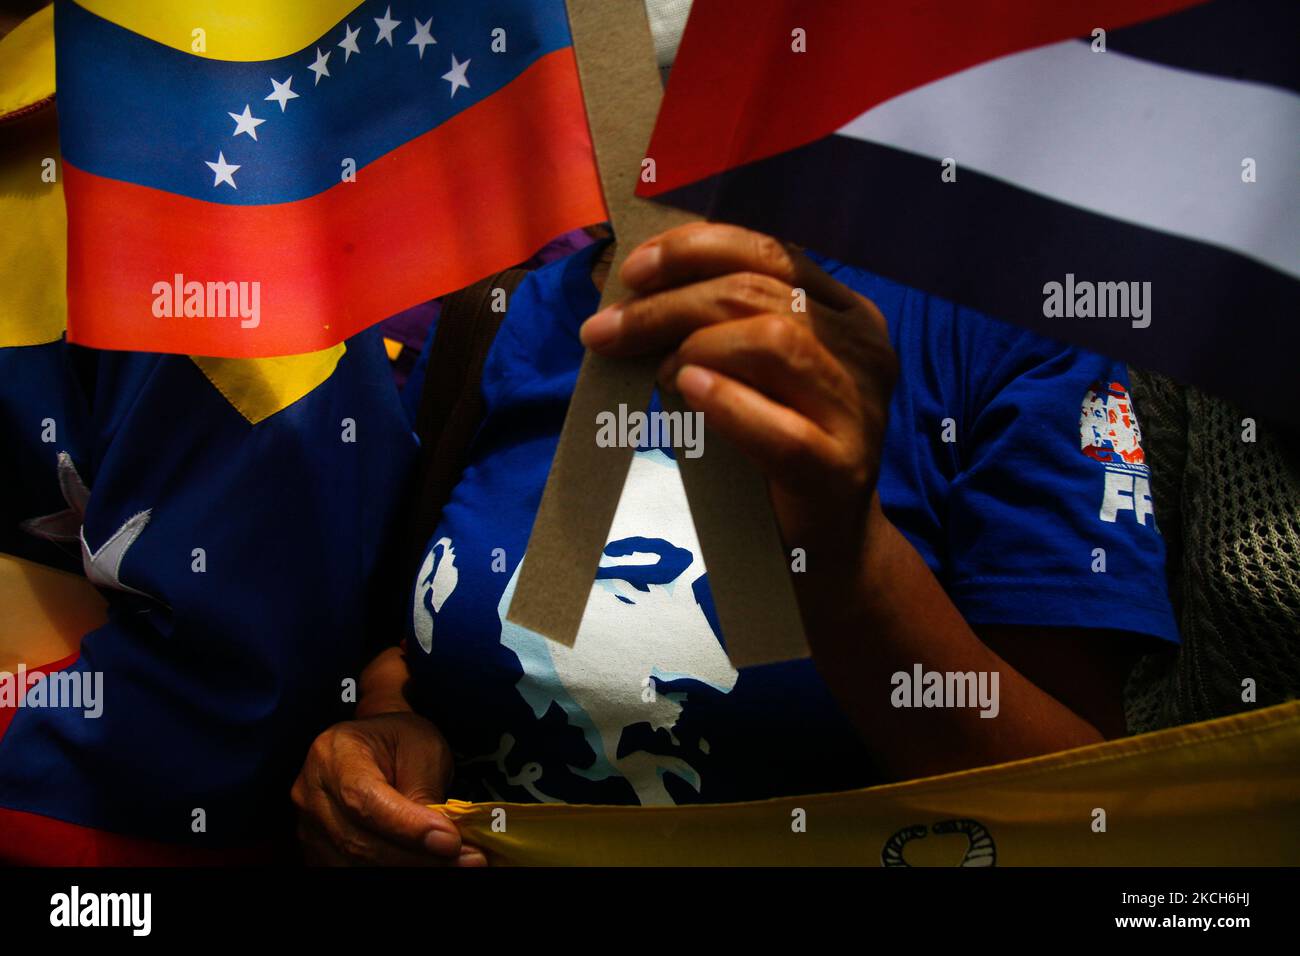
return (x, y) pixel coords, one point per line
(737, 530)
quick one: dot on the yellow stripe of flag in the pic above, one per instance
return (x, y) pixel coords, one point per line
(227, 29)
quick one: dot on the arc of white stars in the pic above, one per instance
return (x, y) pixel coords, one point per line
(282, 93)
(387, 25)
(456, 75)
(349, 42)
(223, 172)
(422, 36)
(246, 122)
(319, 67)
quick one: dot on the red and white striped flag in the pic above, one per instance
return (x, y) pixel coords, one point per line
(1123, 174)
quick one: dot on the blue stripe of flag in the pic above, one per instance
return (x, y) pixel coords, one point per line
(136, 110)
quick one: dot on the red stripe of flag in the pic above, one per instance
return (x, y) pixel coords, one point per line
(31, 839)
(858, 55)
(480, 192)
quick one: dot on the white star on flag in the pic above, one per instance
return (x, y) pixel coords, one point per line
(282, 93)
(223, 171)
(349, 42)
(422, 36)
(387, 25)
(456, 75)
(319, 67)
(246, 122)
(63, 525)
(104, 567)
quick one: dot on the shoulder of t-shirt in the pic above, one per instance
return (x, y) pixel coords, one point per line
(982, 354)
(538, 338)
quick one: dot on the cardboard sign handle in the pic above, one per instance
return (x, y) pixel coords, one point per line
(738, 535)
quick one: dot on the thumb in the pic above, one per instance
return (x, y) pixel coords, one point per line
(375, 805)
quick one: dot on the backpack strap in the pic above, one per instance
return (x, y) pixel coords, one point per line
(451, 401)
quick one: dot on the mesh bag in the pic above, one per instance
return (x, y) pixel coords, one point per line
(1230, 513)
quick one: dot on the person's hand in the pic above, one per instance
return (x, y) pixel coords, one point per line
(363, 790)
(789, 365)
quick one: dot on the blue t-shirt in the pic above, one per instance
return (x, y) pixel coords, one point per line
(1010, 460)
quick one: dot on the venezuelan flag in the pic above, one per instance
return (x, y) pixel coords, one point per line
(249, 180)
(209, 680)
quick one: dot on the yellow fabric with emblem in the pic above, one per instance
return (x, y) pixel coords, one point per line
(33, 242)
(1223, 792)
